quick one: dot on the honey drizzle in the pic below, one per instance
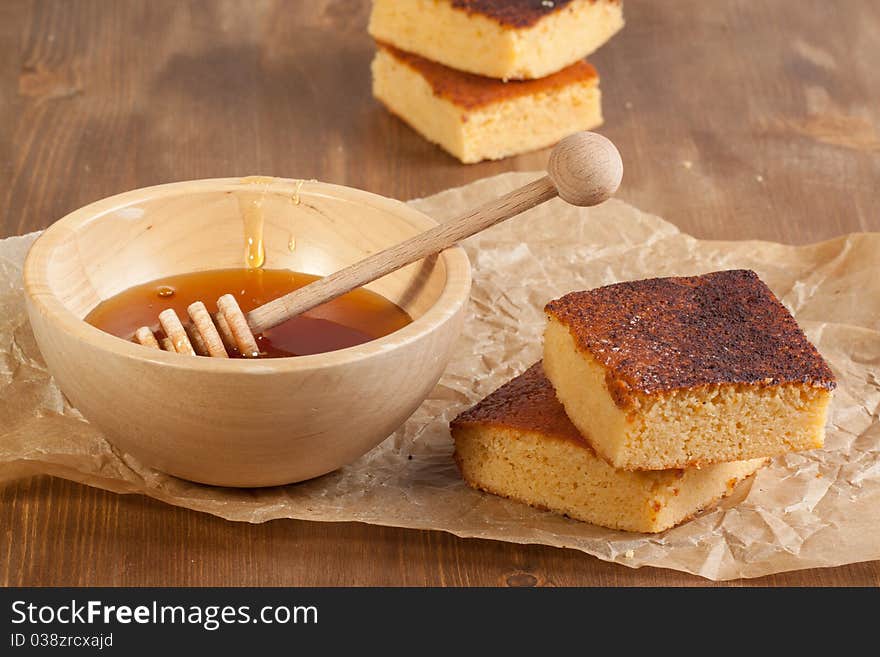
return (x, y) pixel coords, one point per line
(296, 198)
(252, 213)
(251, 206)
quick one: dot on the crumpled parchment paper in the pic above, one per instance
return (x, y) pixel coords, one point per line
(805, 510)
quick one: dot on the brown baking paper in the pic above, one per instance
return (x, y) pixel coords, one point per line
(805, 510)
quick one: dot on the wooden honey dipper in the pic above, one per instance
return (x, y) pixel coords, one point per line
(585, 169)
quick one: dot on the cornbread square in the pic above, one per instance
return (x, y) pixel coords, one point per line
(518, 443)
(506, 39)
(681, 372)
(476, 118)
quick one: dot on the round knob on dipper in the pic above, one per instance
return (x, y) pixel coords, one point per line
(586, 168)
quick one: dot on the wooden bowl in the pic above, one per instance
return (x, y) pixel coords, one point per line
(240, 422)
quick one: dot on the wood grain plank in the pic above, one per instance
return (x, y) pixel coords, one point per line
(735, 119)
(63, 534)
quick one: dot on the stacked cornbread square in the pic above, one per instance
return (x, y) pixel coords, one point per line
(486, 79)
(519, 443)
(653, 399)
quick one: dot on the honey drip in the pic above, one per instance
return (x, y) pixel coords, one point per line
(352, 319)
(251, 205)
(252, 212)
(295, 199)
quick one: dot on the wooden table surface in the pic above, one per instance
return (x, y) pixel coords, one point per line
(736, 119)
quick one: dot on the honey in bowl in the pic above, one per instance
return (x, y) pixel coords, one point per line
(352, 319)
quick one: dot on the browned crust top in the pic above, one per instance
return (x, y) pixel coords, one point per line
(664, 334)
(470, 91)
(515, 13)
(527, 403)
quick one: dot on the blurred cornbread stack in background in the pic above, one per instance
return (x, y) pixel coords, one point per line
(505, 39)
(477, 118)
(486, 79)
(654, 398)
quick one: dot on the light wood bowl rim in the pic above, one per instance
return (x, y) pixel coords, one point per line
(455, 293)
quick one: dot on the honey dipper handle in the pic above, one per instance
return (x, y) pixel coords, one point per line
(584, 169)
